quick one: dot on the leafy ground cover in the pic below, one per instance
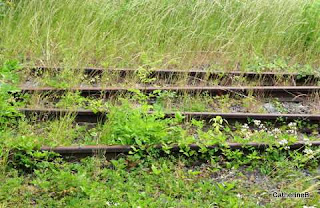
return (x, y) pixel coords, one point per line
(165, 182)
(131, 125)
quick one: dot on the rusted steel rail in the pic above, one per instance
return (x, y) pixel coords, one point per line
(115, 150)
(272, 91)
(190, 72)
(92, 117)
(193, 76)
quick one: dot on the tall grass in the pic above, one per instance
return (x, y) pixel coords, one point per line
(162, 33)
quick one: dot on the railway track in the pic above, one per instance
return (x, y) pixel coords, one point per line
(289, 93)
(176, 72)
(113, 151)
(193, 76)
(89, 116)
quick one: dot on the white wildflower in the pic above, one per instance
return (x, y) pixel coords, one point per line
(307, 141)
(270, 133)
(112, 204)
(309, 207)
(309, 153)
(289, 131)
(261, 126)
(257, 122)
(310, 157)
(245, 126)
(276, 131)
(292, 125)
(286, 147)
(283, 142)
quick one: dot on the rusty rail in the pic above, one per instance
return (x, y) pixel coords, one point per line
(190, 72)
(192, 75)
(92, 117)
(282, 92)
(115, 150)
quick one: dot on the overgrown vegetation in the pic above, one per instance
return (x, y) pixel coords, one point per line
(220, 34)
(47, 180)
(158, 182)
(262, 35)
(8, 82)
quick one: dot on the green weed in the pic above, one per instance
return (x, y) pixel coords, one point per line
(165, 182)
(8, 82)
(130, 125)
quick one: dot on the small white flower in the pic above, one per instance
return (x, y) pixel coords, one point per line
(292, 124)
(306, 141)
(276, 131)
(112, 204)
(287, 147)
(310, 157)
(309, 207)
(283, 142)
(293, 128)
(308, 151)
(257, 122)
(245, 126)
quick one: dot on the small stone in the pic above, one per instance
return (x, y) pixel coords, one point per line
(270, 108)
(236, 108)
(296, 107)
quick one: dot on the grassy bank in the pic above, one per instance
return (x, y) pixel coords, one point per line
(224, 33)
(95, 182)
